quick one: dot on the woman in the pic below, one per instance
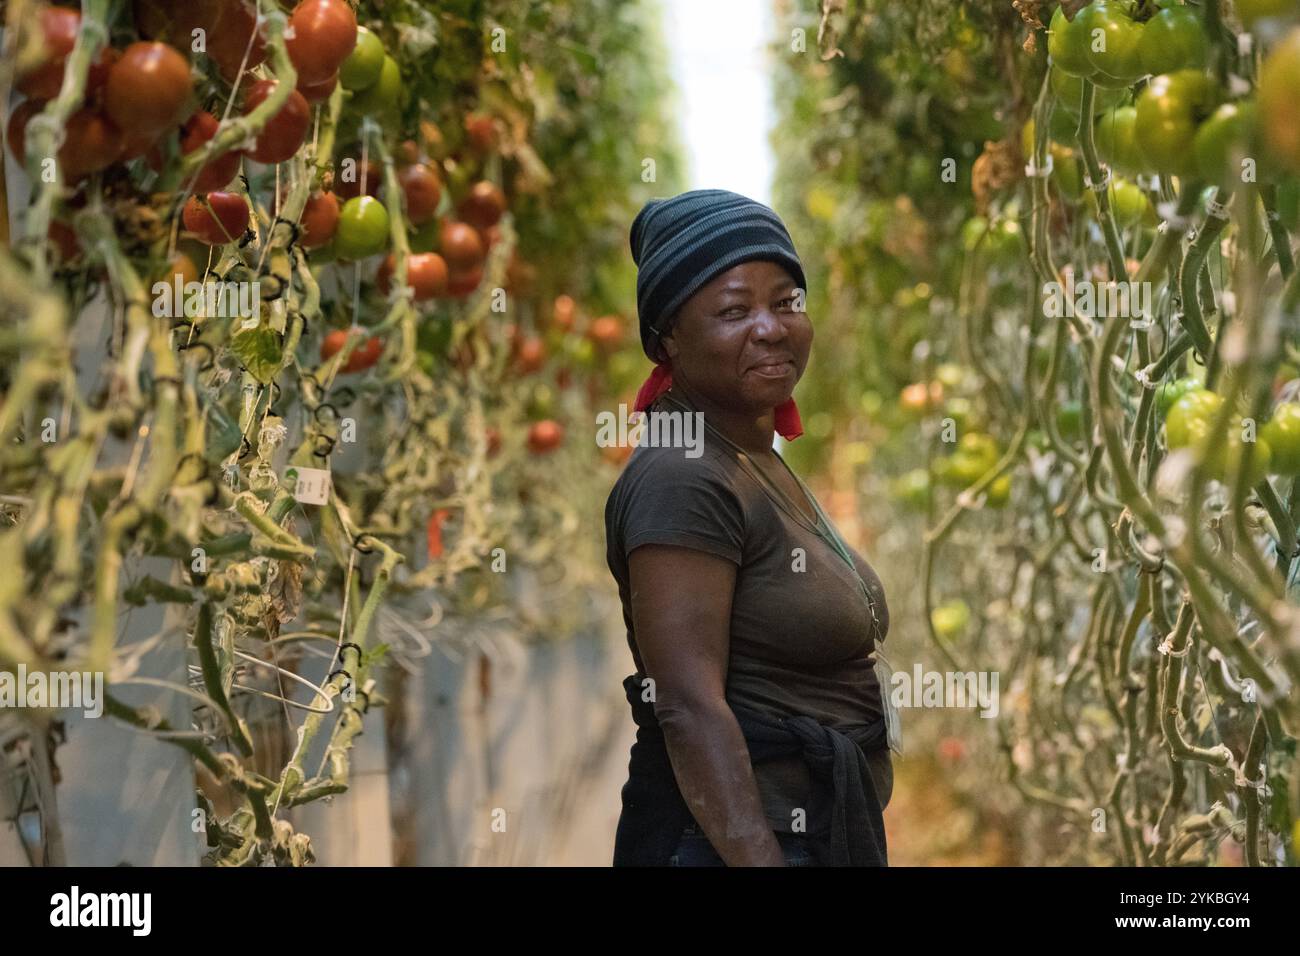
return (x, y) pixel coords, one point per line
(762, 733)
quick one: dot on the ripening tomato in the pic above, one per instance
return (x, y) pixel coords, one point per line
(606, 333)
(320, 220)
(58, 27)
(318, 92)
(200, 128)
(321, 36)
(461, 246)
(426, 275)
(545, 436)
(484, 205)
(950, 618)
(91, 142)
(1174, 40)
(1114, 41)
(1279, 90)
(1282, 432)
(363, 356)
(233, 36)
(361, 68)
(362, 229)
(148, 88)
(284, 133)
(918, 398)
(1224, 143)
(224, 222)
(1168, 112)
(563, 312)
(530, 355)
(1067, 43)
(423, 191)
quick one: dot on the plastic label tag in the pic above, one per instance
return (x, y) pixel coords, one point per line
(311, 486)
(893, 722)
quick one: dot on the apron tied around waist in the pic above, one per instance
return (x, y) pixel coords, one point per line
(655, 813)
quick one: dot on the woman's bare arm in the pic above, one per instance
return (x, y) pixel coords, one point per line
(681, 610)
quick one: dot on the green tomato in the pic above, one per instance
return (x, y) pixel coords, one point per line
(1174, 40)
(362, 229)
(1128, 203)
(1067, 43)
(1278, 88)
(364, 64)
(950, 618)
(980, 447)
(1252, 11)
(1224, 141)
(912, 489)
(998, 492)
(1217, 461)
(1190, 416)
(1170, 392)
(1116, 139)
(1168, 112)
(1113, 42)
(1067, 172)
(1282, 433)
(382, 97)
(1069, 420)
(1069, 95)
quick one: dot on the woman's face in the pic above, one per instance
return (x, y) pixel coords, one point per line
(739, 342)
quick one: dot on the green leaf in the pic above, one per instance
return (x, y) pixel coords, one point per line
(261, 351)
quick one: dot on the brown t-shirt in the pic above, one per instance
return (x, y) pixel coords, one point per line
(801, 631)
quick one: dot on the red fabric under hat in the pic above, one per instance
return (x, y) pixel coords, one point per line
(788, 424)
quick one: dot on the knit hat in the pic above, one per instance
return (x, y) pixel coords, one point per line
(681, 244)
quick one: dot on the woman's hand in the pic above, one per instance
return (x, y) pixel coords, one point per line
(681, 612)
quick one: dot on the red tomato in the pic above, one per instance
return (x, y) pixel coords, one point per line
(320, 219)
(606, 333)
(58, 26)
(461, 246)
(148, 88)
(321, 36)
(562, 312)
(318, 92)
(224, 222)
(461, 284)
(90, 143)
(65, 240)
(174, 21)
(530, 355)
(407, 152)
(141, 144)
(347, 183)
(97, 76)
(423, 190)
(283, 135)
(363, 356)
(481, 131)
(435, 531)
(426, 274)
(545, 436)
(493, 435)
(234, 26)
(215, 174)
(483, 206)
(16, 132)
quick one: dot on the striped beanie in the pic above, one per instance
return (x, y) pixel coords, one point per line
(682, 243)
